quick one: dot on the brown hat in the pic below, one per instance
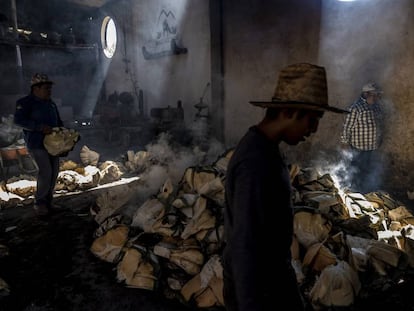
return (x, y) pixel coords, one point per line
(40, 78)
(301, 86)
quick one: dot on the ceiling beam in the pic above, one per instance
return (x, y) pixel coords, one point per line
(90, 3)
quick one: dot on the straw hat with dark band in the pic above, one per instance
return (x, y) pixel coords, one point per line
(301, 86)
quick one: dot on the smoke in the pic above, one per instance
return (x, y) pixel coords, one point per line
(169, 160)
(339, 168)
(353, 171)
(174, 159)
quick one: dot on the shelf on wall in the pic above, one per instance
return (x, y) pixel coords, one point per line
(49, 46)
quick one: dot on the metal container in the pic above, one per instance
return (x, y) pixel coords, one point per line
(13, 152)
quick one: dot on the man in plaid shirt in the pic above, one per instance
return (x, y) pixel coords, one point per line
(362, 132)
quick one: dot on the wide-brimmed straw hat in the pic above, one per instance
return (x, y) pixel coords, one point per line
(302, 86)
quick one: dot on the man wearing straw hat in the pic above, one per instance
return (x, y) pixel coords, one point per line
(258, 212)
(37, 114)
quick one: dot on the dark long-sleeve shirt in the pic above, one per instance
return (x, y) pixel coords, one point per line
(259, 224)
(32, 114)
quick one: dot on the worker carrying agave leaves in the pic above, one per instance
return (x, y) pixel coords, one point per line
(37, 114)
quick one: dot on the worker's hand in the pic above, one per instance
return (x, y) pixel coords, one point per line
(46, 129)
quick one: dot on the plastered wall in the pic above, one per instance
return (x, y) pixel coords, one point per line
(163, 77)
(357, 42)
(373, 41)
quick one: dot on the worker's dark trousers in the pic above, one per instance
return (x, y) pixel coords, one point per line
(265, 301)
(367, 170)
(46, 178)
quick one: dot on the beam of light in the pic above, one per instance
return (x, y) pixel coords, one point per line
(94, 88)
(109, 41)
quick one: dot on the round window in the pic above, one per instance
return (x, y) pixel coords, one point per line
(108, 36)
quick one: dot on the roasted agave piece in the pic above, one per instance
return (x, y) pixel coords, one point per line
(108, 246)
(61, 140)
(138, 269)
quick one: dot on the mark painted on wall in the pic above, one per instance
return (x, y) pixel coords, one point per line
(165, 40)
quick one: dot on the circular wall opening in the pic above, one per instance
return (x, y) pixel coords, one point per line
(108, 36)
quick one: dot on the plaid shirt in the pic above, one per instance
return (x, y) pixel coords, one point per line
(363, 126)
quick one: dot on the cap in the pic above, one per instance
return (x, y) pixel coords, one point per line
(372, 87)
(40, 78)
